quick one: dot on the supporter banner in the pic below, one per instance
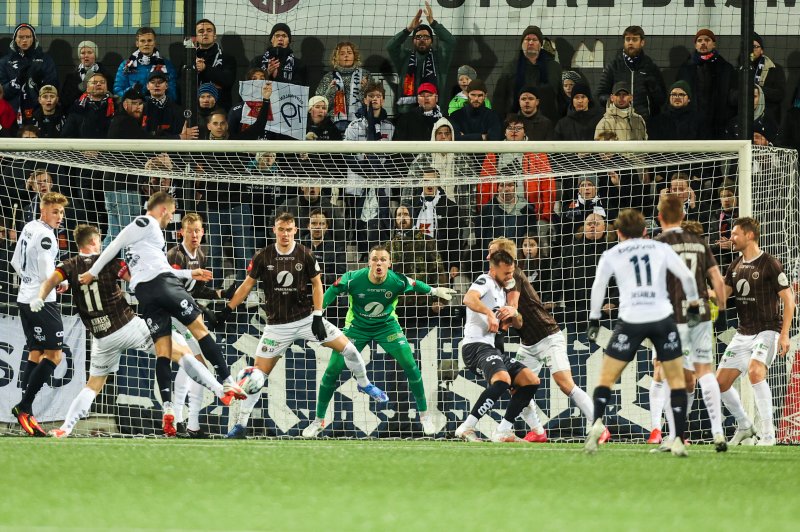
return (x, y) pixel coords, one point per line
(52, 402)
(367, 17)
(289, 113)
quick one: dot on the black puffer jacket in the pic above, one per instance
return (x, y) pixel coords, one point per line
(578, 125)
(646, 81)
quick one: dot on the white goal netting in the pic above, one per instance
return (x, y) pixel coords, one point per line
(436, 207)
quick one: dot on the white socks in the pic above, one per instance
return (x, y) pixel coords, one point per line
(471, 421)
(531, 417)
(79, 408)
(355, 363)
(656, 404)
(246, 408)
(198, 372)
(734, 405)
(711, 397)
(763, 397)
(584, 403)
(181, 390)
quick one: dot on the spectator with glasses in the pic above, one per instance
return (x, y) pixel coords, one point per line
(679, 119)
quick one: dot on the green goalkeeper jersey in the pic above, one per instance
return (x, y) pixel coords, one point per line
(372, 306)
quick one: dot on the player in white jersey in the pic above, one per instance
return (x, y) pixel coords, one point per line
(162, 296)
(640, 268)
(34, 260)
(114, 326)
(482, 350)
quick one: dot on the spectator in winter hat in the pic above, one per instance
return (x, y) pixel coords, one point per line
(212, 65)
(75, 82)
(475, 121)
(24, 70)
(465, 76)
(279, 62)
(582, 117)
(145, 60)
(770, 77)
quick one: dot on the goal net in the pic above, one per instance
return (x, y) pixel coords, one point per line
(436, 206)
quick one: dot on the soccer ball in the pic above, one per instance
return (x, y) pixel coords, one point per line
(251, 379)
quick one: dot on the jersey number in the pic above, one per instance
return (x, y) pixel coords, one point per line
(644, 260)
(91, 294)
(691, 261)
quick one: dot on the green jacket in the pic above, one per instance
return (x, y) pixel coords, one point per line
(442, 57)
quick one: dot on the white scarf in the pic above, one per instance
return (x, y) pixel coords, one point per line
(426, 220)
(370, 209)
(83, 70)
(346, 109)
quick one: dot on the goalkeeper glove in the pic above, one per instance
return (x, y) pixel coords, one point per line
(223, 315)
(693, 316)
(228, 292)
(721, 323)
(593, 330)
(443, 292)
(37, 304)
(318, 326)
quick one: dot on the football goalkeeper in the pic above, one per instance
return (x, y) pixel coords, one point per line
(373, 294)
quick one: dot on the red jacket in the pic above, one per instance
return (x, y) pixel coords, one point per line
(540, 189)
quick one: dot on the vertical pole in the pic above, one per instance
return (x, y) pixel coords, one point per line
(745, 81)
(189, 70)
(745, 181)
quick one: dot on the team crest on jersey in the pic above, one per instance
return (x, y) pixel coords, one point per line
(388, 294)
(755, 275)
(298, 267)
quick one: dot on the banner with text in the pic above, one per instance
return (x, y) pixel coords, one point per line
(289, 113)
(368, 18)
(52, 402)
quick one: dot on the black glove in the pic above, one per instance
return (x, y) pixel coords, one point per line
(693, 316)
(228, 292)
(721, 323)
(223, 315)
(318, 328)
(208, 316)
(593, 330)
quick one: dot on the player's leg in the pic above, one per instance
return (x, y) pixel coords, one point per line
(80, 406)
(562, 375)
(525, 384)
(327, 387)
(765, 349)
(212, 352)
(735, 361)
(485, 360)
(195, 369)
(163, 349)
(179, 396)
(657, 401)
(400, 350)
(533, 357)
(196, 393)
(352, 357)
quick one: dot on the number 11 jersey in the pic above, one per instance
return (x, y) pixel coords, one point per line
(101, 304)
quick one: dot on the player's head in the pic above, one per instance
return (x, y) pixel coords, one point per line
(501, 267)
(630, 224)
(745, 233)
(379, 261)
(192, 229)
(87, 237)
(670, 209)
(52, 207)
(285, 229)
(692, 226)
(502, 244)
(161, 206)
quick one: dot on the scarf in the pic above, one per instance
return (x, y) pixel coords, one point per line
(86, 103)
(410, 83)
(370, 209)
(137, 59)
(346, 106)
(759, 70)
(83, 70)
(426, 220)
(434, 113)
(710, 57)
(373, 123)
(632, 61)
(597, 207)
(285, 57)
(213, 51)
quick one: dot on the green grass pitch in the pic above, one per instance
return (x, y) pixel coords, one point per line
(161, 484)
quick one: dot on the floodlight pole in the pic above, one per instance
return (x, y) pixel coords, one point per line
(746, 80)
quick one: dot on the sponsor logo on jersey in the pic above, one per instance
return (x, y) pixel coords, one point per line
(285, 279)
(742, 287)
(480, 281)
(142, 221)
(59, 334)
(316, 266)
(621, 343)
(47, 243)
(37, 330)
(672, 341)
(374, 309)
(782, 279)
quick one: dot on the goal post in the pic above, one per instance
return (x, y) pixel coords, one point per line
(436, 205)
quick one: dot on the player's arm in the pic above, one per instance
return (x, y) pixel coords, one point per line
(787, 297)
(45, 288)
(338, 288)
(419, 287)
(242, 292)
(130, 234)
(728, 283)
(679, 269)
(512, 309)
(598, 294)
(718, 285)
(317, 293)
(472, 300)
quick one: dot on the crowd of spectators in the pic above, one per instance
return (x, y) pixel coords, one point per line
(439, 230)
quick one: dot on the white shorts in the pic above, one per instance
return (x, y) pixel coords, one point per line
(550, 352)
(762, 347)
(106, 351)
(696, 343)
(277, 338)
